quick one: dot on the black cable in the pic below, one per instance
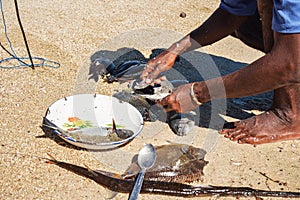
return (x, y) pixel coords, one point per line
(23, 33)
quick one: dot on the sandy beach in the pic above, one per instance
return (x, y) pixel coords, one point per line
(73, 33)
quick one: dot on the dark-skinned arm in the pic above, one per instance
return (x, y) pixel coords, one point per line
(219, 25)
(274, 70)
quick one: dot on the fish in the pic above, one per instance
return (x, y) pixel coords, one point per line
(115, 183)
(174, 162)
(149, 110)
(93, 135)
(180, 123)
(100, 67)
(127, 71)
(109, 72)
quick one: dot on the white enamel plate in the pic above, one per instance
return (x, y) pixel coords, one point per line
(86, 112)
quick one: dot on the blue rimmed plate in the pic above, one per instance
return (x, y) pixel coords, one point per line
(82, 113)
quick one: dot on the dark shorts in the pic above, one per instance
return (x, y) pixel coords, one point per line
(251, 32)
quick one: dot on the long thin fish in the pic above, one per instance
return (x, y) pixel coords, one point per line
(113, 182)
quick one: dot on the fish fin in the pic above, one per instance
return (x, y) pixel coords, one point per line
(90, 170)
(50, 162)
(111, 174)
(114, 124)
(128, 176)
(52, 159)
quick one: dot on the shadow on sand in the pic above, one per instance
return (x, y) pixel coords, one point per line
(196, 66)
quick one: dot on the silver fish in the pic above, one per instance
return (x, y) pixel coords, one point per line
(94, 134)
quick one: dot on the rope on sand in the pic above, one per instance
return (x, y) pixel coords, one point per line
(22, 61)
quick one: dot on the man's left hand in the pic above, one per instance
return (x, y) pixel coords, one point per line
(179, 100)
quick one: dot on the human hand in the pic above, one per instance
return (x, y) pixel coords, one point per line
(156, 65)
(179, 100)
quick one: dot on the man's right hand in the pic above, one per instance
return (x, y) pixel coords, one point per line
(157, 65)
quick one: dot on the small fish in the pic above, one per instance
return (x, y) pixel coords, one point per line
(148, 108)
(159, 90)
(92, 131)
(124, 67)
(100, 67)
(145, 99)
(127, 71)
(94, 135)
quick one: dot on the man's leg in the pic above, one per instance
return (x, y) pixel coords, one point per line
(251, 33)
(265, 10)
(282, 122)
(257, 32)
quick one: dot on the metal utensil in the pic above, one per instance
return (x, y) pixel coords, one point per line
(146, 160)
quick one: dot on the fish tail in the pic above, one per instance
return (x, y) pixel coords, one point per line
(51, 160)
(52, 157)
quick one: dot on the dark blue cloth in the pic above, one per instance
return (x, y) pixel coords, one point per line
(239, 7)
(286, 13)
